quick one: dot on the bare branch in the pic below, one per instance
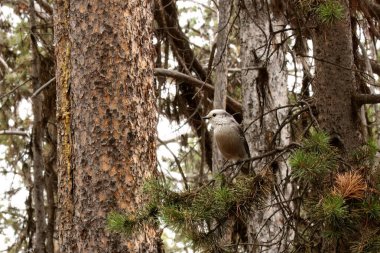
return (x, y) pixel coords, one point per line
(46, 6)
(375, 67)
(5, 64)
(14, 132)
(274, 151)
(374, 8)
(14, 89)
(42, 87)
(197, 83)
(362, 99)
(177, 162)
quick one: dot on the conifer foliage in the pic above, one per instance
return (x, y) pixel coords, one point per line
(329, 194)
(200, 215)
(337, 209)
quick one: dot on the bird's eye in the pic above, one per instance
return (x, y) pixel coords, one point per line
(214, 114)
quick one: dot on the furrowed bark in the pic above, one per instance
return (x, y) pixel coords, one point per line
(264, 87)
(107, 121)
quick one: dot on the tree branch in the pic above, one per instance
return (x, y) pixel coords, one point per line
(235, 105)
(5, 64)
(14, 132)
(177, 162)
(14, 89)
(375, 66)
(362, 99)
(374, 8)
(46, 6)
(42, 87)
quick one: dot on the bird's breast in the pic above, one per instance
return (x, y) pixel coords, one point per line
(230, 143)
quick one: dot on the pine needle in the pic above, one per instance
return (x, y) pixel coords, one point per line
(350, 185)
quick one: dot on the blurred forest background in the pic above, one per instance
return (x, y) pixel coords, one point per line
(301, 76)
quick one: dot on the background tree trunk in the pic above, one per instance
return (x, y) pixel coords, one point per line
(221, 71)
(334, 85)
(37, 139)
(264, 87)
(106, 120)
(334, 82)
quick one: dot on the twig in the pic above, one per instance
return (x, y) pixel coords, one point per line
(178, 164)
(5, 64)
(42, 87)
(15, 88)
(267, 112)
(14, 132)
(269, 153)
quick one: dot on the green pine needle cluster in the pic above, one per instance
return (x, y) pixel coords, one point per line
(121, 223)
(330, 11)
(365, 155)
(334, 209)
(199, 215)
(371, 207)
(315, 159)
(344, 200)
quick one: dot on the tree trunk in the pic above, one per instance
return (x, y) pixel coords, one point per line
(264, 87)
(334, 85)
(37, 138)
(106, 120)
(334, 82)
(221, 71)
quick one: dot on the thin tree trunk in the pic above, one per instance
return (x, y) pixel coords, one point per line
(37, 135)
(264, 88)
(106, 121)
(51, 191)
(221, 79)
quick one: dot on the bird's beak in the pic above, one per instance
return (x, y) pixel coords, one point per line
(206, 117)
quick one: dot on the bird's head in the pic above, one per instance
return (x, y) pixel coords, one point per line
(219, 117)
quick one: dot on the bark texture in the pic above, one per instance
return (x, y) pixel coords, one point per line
(334, 83)
(107, 120)
(264, 88)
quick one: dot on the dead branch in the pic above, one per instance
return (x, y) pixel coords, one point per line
(375, 67)
(177, 162)
(14, 89)
(363, 99)
(14, 132)
(196, 82)
(42, 87)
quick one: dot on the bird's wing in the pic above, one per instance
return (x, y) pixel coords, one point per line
(246, 147)
(246, 167)
(239, 129)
